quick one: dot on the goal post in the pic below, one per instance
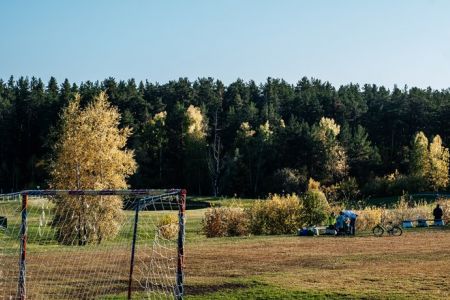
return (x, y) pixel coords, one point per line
(67, 247)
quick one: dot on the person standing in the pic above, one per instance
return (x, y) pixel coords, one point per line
(437, 213)
(352, 216)
(331, 221)
(340, 223)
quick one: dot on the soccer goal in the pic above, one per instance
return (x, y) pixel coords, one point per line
(88, 244)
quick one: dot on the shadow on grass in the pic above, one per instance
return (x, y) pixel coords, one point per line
(260, 290)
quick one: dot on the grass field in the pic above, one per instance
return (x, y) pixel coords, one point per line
(413, 266)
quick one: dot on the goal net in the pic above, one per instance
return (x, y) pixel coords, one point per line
(110, 244)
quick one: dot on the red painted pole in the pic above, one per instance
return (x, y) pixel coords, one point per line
(179, 291)
(22, 292)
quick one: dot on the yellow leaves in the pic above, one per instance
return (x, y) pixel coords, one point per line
(421, 140)
(329, 125)
(225, 221)
(265, 130)
(159, 118)
(167, 226)
(420, 163)
(335, 158)
(91, 154)
(313, 185)
(439, 163)
(276, 215)
(246, 130)
(431, 161)
(393, 176)
(196, 126)
(368, 218)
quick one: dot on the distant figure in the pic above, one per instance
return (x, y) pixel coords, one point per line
(331, 221)
(437, 213)
(352, 216)
(340, 220)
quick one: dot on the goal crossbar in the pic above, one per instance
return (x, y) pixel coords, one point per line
(109, 192)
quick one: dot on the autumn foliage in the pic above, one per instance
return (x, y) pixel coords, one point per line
(90, 154)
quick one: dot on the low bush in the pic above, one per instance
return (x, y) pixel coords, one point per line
(285, 214)
(407, 211)
(225, 221)
(315, 207)
(276, 215)
(368, 218)
(445, 205)
(167, 226)
(402, 210)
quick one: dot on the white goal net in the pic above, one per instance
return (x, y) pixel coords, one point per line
(92, 244)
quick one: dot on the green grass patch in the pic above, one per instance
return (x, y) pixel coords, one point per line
(257, 289)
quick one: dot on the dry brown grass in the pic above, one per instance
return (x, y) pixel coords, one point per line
(415, 265)
(79, 273)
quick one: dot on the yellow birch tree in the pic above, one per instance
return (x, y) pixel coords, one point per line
(420, 162)
(90, 154)
(439, 162)
(195, 148)
(331, 156)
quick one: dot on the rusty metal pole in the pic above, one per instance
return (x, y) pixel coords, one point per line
(181, 237)
(133, 247)
(22, 292)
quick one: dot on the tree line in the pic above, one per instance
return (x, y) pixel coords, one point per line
(243, 139)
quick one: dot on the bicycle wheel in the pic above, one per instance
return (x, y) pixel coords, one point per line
(378, 230)
(396, 231)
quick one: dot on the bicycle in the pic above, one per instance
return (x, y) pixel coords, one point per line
(392, 230)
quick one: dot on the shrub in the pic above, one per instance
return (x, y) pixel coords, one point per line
(315, 207)
(276, 215)
(225, 221)
(313, 185)
(368, 218)
(404, 211)
(445, 205)
(167, 226)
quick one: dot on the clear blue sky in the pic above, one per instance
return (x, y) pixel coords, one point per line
(383, 42)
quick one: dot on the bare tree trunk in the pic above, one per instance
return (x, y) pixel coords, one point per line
(160, 162)
(214, 163)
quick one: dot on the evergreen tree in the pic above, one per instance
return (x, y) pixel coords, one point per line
(151, 152)
(362, 156)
